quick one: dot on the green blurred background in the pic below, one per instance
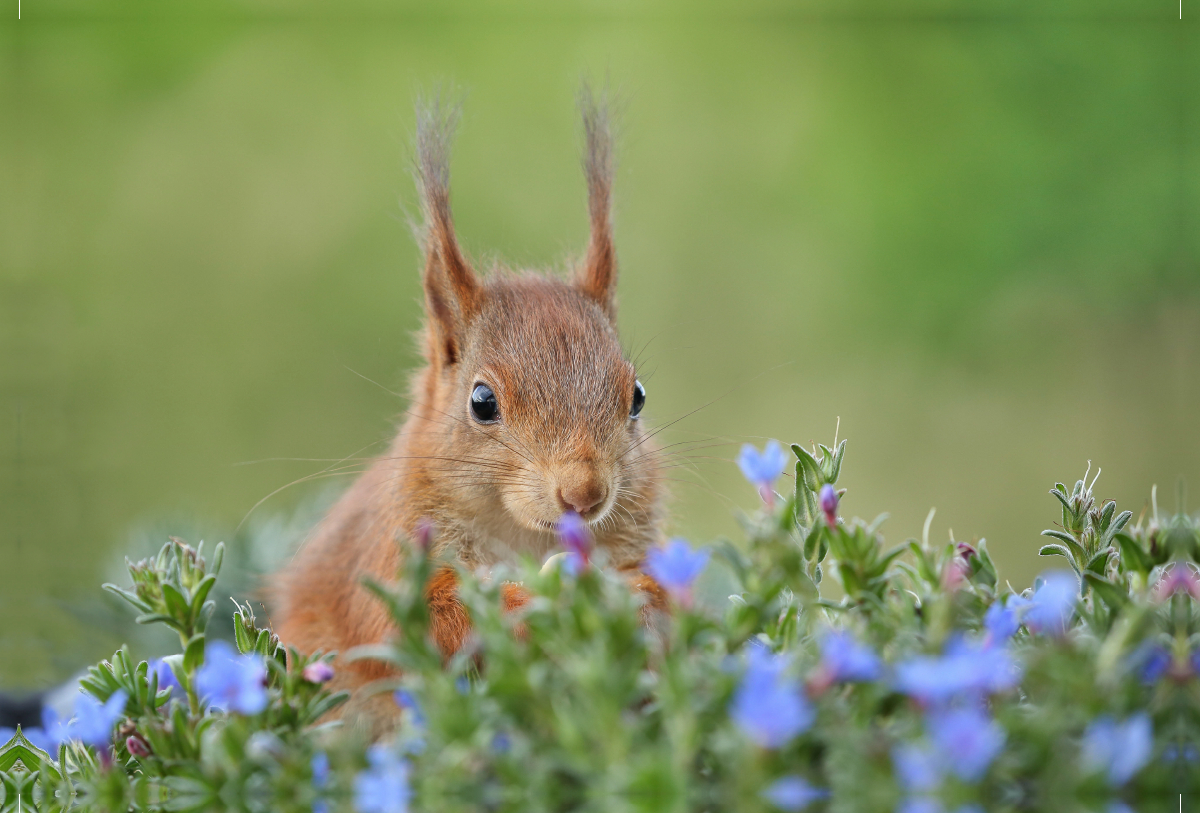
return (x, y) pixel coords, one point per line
(969, 230)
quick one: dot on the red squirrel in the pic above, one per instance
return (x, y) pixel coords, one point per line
(526, 408)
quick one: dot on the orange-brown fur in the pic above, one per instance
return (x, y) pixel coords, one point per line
(549, 350)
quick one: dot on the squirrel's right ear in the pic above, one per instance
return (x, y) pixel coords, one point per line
(452, 292)
(597, 277)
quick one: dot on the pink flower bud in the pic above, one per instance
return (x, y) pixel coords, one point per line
(136, 746)
(424, 532)
(317, 672)
(1179, 579)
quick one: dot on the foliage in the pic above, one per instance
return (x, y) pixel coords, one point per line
(842, 674)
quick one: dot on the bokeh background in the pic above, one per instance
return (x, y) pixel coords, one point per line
(968, 230)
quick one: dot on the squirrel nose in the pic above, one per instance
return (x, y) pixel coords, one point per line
(581, 497)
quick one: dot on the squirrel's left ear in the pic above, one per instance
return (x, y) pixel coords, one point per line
(452, 292)
(597, 276)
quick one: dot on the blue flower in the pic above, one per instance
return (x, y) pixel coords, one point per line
(676, 567)
(92, 724)
(917, 768)
(919, 804)
(320, 770)
(767, 708)
(232, 682)
(574, 535)
(762, 468)
(1002, 619)
(967, 741)
(408, 701)
(1173, 753)
(382, 788)
(166, 677)
(1151, 661)
(1120, 750)
(40, 736)
(964, 669)
(792, 793)
(1053, 603)
(843, 658)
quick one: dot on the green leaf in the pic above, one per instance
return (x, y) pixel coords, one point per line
(1059, 492)
(837, 462)
(323, 706)
(159, 618)
(887, 558)
(1099, 562)
(1068, 540)
(218, 558)
(1112, 595)
(202, 593)
(810, 541)
(1133, 557)
(1055, 550)
(177, 603)
(132, 598)
(193, 654)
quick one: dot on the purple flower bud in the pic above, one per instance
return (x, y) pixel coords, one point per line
(966, 551)
(136, 746)
(828, 499)
(317, 672)
(574, 535)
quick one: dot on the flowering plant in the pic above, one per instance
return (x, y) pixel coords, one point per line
(839, 674)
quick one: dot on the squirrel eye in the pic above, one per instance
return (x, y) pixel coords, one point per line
(639, 399)
(483, 404)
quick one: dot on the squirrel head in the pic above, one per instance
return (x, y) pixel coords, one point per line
(528, 395)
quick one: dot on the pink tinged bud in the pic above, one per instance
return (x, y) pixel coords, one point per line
(318, 672)
(574, 535)
(1179, 579)
(966, 551)
(955, 574)
(423, 535)
(828, 499)
(137, 747)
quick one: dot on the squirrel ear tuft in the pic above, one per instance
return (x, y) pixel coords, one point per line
(452, 292)
(597, 277)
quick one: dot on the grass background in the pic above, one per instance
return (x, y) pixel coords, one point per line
(967, 229)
